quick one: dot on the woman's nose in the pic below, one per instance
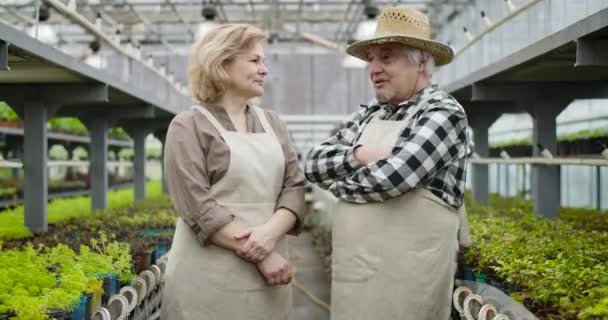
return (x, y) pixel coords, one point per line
(263, 69)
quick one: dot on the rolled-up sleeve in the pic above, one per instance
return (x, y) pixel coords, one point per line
(292, 191)
(188, 181)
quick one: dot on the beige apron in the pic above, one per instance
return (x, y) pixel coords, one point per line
(213, 283)
(394, 259)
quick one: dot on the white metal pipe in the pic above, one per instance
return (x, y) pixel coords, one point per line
(87, 25)
(10, 164)
(498, 23)
(67, 163)
(545, 161)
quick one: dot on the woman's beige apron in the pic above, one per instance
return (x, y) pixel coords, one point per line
(213, 283)
(394, 259)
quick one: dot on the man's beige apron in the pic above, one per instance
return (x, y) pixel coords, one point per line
(213, 283)
(394, 259)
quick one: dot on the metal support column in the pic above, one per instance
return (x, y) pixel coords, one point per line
(546, 179)
(35, 116)
(98, 157)
(4, 56)
(139, 165)
(139, 130)
(480, 124)
(161, 135)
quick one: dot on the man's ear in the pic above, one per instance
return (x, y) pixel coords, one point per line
(421, 66)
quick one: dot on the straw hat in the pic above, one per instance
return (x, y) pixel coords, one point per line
(403, 24)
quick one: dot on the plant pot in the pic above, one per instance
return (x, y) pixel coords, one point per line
(88, 313)
(152, 257)
(109, 287)
(480, 277)
(6, 316)
(79, 312)
(58, 314)
(141, 260)
(161, 248)
(530, 305)
(96, 300)
(468, 273)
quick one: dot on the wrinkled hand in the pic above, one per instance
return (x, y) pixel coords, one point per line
(259, 244)
(275, 269)
(371, 153)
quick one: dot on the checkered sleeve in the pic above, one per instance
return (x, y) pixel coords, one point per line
(334, 158)
(435, 141)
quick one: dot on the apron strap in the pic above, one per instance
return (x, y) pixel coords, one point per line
(264, 120)
(211, 119)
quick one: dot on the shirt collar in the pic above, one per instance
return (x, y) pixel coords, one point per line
(416, 98)
(217, 108)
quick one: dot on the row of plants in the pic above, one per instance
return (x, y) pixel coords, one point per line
(581, 142)
(9, 118)
(12, 220)
(581, 218)
(12, 188)
(134, 235)
(557, 267)
(37, 283)
(58, 152)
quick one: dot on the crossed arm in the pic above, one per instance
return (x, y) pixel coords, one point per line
(372, 174)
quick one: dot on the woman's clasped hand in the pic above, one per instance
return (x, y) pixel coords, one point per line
(257, 244)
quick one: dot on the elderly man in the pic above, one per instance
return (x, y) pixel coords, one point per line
(398, 170)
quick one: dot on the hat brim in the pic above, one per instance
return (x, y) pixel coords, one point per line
(443, 54)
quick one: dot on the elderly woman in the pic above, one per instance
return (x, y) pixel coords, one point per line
(235, 181)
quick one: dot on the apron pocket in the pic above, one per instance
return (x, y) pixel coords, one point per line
(358, 266)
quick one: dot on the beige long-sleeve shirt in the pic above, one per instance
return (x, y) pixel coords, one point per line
(196, 157)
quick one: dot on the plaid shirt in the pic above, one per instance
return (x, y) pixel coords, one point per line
(430, 152)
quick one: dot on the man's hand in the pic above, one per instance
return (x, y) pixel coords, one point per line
(275, 269)
(371, 153)
(260, 242)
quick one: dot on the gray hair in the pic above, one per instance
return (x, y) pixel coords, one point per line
(416, 56)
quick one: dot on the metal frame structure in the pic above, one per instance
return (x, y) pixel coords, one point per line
(170, 25)
(542, 78)
(40, 82)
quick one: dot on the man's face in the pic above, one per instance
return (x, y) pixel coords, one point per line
(392, 74)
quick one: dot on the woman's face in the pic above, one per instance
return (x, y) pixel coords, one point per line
(246, 72)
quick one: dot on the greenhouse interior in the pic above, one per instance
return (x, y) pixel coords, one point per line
(489, 119)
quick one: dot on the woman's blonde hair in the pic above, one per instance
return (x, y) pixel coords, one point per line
(210, 54)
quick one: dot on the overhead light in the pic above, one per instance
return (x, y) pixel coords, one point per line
(371, 11)
(209, 13)
(96, 61)
(44, 12)
(204, 27)
(45, 33)
(365, 30)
